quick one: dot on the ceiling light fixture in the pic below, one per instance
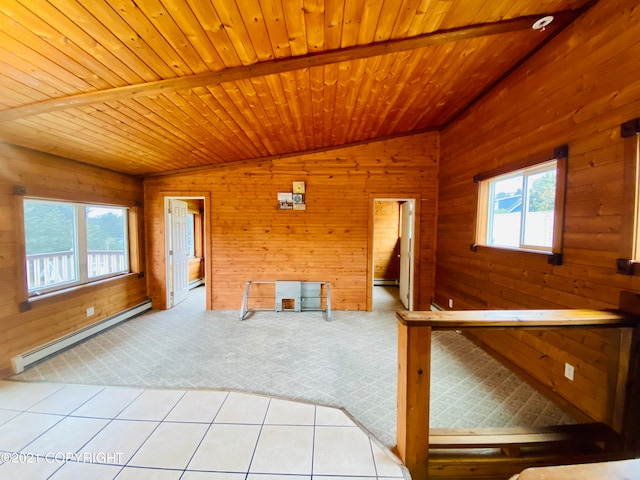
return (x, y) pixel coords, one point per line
(542, 23)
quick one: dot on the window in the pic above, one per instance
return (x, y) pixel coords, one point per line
(522, 207)
(191, 235)
(70, 244)
(630, 231)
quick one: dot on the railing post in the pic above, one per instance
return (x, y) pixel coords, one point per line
(414, 378)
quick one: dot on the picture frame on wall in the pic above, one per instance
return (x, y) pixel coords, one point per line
(285, 201)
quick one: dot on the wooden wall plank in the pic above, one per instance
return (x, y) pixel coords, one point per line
(294, 19)
(188, 31)
(94, 73)
(576, 91)
(314, 25)
(112, 32)
(92, 48)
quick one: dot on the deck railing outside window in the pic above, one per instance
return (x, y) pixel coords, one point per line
(46, 269)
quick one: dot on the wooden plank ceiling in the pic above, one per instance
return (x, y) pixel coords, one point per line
(151, 86)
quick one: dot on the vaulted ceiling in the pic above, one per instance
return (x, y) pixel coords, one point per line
(151, 86)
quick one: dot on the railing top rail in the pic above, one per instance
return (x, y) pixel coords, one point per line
(71, 252)
(563, 318)
(65, 253)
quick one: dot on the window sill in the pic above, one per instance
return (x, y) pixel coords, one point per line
(50, 298)
(552, 258)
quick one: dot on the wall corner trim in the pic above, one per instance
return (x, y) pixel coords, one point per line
(561, 152)
(554, 259)
(625, 266)
(24, 306)
(630, 128)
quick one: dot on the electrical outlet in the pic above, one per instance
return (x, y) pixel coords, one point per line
(90, 311)
(451, 303)
(569, 371)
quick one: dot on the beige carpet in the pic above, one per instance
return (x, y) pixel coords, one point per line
(350, 362)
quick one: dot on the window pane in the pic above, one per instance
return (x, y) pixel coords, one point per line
(50, 232)
(106, 241)
(191, 247)
(505, 210)
(541, 197)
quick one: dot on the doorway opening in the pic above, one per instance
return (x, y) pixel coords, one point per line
(392, 263)
(185, 253)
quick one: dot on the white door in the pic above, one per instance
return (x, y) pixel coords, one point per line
(178, 251)
(406, 254)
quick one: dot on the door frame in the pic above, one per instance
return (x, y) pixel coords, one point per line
(205, 196)
(415, 276)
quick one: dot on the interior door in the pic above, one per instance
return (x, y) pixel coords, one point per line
(406, 254)
(179, 251)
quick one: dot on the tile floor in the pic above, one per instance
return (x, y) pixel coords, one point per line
(63, 431)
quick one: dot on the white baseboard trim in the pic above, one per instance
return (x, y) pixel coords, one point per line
(20, 362)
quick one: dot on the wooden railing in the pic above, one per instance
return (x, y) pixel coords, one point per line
(414, 369)
(47, 269)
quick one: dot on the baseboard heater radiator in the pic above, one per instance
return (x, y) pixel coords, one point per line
(20, 362)
(380, 282)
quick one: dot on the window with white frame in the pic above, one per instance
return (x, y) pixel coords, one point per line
(70, 244)
(518, 209)
(191, 229)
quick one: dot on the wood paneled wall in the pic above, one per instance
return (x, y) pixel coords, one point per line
(576, 91)
(250, 239)
(196, 269)
(54, 177)
(386, 240)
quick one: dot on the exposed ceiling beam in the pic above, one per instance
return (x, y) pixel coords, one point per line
(288, 64)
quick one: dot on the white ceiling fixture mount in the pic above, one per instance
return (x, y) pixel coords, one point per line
(542, 23)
